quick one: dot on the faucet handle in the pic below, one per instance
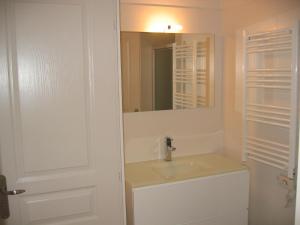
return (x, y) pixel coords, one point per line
(169, 141)
(169, 148)
(169, 144)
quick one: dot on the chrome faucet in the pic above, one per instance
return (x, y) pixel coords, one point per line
(169, 149)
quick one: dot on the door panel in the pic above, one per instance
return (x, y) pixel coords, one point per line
(56, 115)
(58, 206)
(53, 86)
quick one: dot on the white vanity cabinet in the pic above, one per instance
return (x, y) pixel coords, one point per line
(218, 199)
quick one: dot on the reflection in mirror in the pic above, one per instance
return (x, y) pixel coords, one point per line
(165, 71)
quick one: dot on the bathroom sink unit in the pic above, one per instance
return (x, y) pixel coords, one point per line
(205, 189)
(169, 170)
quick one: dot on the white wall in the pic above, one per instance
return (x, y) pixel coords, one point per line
(138, 17)
(267, 198)
(194, 131)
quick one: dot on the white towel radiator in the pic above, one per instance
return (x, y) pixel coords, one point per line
(271, 97)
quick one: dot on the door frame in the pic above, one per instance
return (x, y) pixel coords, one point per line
(121, 119)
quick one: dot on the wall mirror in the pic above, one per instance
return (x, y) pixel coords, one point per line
(167, 71)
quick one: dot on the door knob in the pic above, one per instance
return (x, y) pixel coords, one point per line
(12, 192)
(4, 207)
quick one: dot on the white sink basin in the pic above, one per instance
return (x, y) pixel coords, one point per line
(178, 168)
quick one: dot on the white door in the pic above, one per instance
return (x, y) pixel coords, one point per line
(60, 115)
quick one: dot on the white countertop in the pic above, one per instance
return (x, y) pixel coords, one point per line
(155, 172)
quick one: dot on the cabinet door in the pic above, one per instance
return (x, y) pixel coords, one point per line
(213, 200)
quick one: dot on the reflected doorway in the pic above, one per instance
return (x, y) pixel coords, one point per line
(163, 85)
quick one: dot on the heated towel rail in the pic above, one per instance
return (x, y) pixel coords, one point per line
(191, 74)
(271, 97)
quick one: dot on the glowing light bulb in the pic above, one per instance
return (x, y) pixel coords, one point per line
(163, 23)
(173, 28)
(167, 28)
